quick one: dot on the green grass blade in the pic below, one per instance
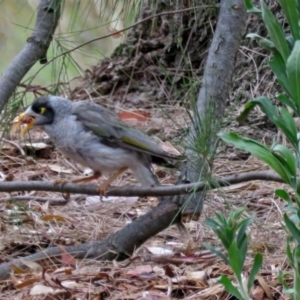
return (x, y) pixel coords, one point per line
(258, 260)
(275, 31)
(293, 73)
(292, 228)
(259, 150)
(236, 260)
(230, 288)
(278, 67)
(291, 13)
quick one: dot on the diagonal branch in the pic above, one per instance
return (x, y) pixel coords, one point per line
(119, 245)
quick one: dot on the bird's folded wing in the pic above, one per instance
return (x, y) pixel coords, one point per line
(114, 132)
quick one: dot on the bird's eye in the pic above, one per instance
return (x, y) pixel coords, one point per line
(42, 110)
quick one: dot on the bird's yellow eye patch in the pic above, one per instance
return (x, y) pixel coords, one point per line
(43, 110)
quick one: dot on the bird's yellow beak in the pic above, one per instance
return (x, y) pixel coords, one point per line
(23, 119)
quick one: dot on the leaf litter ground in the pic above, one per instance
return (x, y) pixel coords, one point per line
(167, 266)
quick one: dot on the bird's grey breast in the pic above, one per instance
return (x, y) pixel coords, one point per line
(69, 136)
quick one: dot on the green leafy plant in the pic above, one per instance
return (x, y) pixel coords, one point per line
(232, 234)
(285, 64)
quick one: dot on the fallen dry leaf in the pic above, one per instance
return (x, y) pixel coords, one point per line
(139, 270)
(159, 250)
(257, 293)
(35, 146)
(135, 115)
(53, 218)
(265, 286)
(26, 282)
(66, 258)
(168, 147)
(32, 265)
(58, 168)
(41, 289)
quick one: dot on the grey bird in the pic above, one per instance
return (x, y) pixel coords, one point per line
(95, 137)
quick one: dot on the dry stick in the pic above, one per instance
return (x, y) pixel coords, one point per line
(51, 200)
(16, 145)
(140, 191)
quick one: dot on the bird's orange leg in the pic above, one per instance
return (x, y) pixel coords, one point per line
(96, 175)
(104, 185)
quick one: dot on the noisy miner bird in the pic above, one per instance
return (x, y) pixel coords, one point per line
(96, 138)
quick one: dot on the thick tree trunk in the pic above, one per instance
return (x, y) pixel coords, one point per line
(209, 110)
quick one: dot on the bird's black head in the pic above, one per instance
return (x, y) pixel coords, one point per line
(43, 111)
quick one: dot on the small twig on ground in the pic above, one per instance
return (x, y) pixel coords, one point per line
(15, 145)
(52, 201)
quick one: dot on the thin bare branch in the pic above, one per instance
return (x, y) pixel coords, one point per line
(51, 200)
(22, 152)
(129, 191)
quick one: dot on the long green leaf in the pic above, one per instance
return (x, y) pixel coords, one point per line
(235, 260)
(243, 247)
(289, 254)
(278, 67)
(221, 218)
(251, 8)
(291, 13)
(290, 124)
(212, 224)
(275, 31)
(283, 194)
(292, 228)
(262, 41)
(287, 101)
(259, 150)
(230, 288)
(285, 125)
(293, 73)
(265, 105)
(242, 229)
(288, 159)
(258, 260)
(236, 214)
(217, 252)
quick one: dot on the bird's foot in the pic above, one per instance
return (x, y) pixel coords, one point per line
(80, 180)
(60, 181)
(102, 189)
(105, 185)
